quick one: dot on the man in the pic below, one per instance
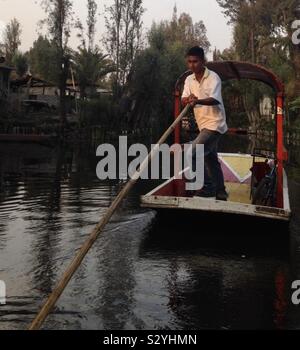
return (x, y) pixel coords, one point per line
(203, 91)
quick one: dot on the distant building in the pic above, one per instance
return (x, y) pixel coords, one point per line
(91, 89)
(31, 88)
(33, 91)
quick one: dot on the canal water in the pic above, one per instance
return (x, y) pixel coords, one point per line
(141, 273)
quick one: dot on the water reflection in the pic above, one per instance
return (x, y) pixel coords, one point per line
(143, 273)
(216, 278)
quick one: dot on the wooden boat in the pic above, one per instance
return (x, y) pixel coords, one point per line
(247, 176)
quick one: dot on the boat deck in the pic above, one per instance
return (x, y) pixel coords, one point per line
(239, 193)
(237, 172)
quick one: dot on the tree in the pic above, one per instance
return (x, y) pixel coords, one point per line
(59, 22)
(87, 35)
(283, 15)
(91, 22)
(182, 29)
(162, 62)
(123, 37)
(113, 24)
(263, 34)
(247, 29)
(20, 61)
(43, 60)
(11, 39)
(90, 64)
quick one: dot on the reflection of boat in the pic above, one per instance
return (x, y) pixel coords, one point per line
(217, 280)
(254, 188)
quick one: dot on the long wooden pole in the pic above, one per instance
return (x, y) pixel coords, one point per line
(66, 277)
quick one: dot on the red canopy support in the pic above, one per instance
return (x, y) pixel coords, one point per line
(280, 149)
(177, 112)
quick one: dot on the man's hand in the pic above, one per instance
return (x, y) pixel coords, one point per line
(191, 100)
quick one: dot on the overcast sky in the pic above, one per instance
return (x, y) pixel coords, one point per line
(29, 12)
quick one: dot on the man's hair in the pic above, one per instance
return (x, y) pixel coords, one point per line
(196, 51)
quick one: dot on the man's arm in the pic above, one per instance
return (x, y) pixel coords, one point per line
(214, 93)
(208, 102)
(193, 101)
(187, 96)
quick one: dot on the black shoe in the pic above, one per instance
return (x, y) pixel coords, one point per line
(205, 193)
(222, 195)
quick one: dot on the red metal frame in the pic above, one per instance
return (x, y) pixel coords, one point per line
(177, 110)
(280, 149)
(255, 72)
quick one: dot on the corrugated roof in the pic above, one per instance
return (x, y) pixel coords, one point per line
(3, 67)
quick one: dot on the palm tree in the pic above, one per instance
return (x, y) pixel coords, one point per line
(90, 67)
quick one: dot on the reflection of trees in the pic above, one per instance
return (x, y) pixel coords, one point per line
(8, 197)
(112, 256)
(58, 214)
(193, 301)
(210, 285)
(116, 289)
(1, 174)
(228, 293)
(112, 284)
(48, 231)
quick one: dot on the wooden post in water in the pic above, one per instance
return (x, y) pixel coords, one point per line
(66, 277)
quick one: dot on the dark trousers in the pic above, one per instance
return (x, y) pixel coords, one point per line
(213, 174)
